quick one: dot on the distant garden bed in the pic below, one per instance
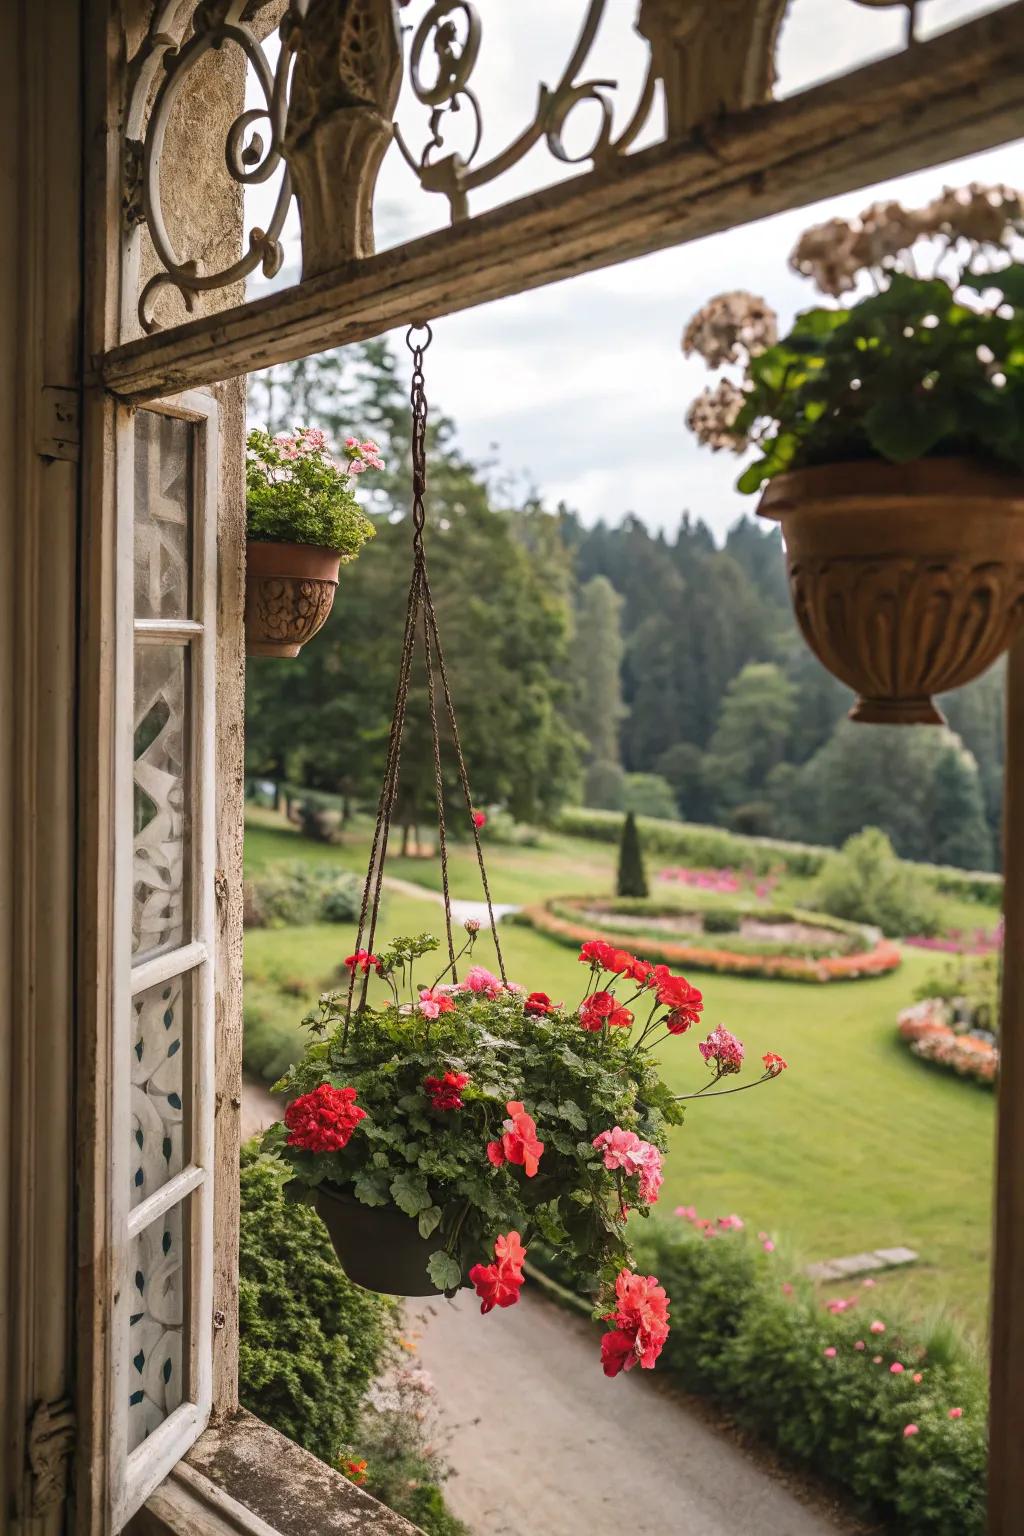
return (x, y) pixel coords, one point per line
(928, 1030)
(787, 945)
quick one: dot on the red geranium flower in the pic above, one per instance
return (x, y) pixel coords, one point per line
(641, 1324)
(479, 819)
(685, 1001)
(444, 1091)
(499, 1284)
(518, 1143)
(773, 1064)
(538, 1003)
(362, 960)
(603, 1008)
(602, 956)
(323, 1121)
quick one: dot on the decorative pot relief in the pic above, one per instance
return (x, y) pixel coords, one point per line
(289, 593)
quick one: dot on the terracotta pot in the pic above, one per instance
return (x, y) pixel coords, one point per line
(906, 579)
(379, 1248)
(289, 592)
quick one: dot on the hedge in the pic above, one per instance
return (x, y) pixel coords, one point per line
(748, 1332)
(311, 1343)
(715, 848)
(882, 958)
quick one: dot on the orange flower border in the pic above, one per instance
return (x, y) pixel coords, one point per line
(885, 956)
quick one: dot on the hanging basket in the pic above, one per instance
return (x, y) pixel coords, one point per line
(907, 580)
(289, 593)
(378, 1247)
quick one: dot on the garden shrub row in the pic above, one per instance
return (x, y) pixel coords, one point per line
(311, 1346)
(749, 1333)
(882, 958)
(716, 848)
(293, 893)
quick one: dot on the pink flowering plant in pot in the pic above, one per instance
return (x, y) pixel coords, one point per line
(303, 522)
(446, 1125)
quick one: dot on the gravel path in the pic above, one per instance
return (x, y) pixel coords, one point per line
(544, 1442)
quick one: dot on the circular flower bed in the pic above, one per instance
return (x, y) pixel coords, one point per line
(927, 1030)
(757, 943)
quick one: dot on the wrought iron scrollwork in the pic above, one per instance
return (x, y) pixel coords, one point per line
(159, 75)
(451, 29)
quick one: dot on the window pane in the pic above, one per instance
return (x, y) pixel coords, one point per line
(160, 1080)
(163, 516)
(160, 915)
(157, 1280)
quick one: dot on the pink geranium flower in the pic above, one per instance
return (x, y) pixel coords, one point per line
(877, 1326)
(434, 1002)
(956, 1413)
(625, 1150)
(480, 980)
(909, 1430)
(722, 1048)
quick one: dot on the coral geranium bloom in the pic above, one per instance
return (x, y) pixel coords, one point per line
(519, 1139)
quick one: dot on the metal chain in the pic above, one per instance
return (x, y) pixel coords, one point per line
(419, 594)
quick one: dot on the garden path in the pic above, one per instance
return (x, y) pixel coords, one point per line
(462, 911)
(543, 1440)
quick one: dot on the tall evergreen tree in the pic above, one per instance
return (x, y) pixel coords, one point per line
(631, 879)
(960, 833)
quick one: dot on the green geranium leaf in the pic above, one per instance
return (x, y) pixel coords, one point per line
(410, 1194)
(429, 1220)
(444, 1271)
(370, 1188)
(572, 1112)
(908, 430)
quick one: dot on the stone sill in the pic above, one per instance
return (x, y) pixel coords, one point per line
(242, 1478)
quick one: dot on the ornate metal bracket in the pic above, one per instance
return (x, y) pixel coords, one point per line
(329, 99)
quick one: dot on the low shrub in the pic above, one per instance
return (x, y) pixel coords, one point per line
(398, 1450)
(293, 894)
(312, 1351)
(714, 848)
(721, 920)
(867, 883)
(896, 1417)
(311, 1341)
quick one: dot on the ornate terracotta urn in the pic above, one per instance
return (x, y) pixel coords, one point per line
(289, 593)
(906, 579)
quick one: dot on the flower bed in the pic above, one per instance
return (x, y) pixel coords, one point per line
(881, 958)
(956, 941)
(896, 1417)
(926, 1029)
(723, 882)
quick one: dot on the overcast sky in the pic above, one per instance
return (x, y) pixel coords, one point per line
(580, 389)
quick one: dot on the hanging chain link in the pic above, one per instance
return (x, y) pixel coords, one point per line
(419, 596)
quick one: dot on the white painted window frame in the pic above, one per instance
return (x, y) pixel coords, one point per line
(133, 1478)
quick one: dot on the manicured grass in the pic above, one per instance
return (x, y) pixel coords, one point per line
(857, 1146)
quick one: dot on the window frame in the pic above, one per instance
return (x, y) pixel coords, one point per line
(133, 1476)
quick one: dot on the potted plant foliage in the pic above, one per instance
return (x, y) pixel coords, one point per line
(890, 438)
(303, 520)
(442, 1131)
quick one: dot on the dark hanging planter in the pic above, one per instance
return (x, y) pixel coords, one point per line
(289, 593)
(907, 580)
(378, 1247)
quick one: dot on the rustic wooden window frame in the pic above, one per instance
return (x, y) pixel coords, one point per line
(133, 1477)
(956, 94)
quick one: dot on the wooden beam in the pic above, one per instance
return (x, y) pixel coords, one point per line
(956, 94)
(1006, 1428)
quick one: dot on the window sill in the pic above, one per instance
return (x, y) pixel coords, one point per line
(242, 1478)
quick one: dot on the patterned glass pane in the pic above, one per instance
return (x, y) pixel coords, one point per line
(157, 1281)
(160, 915)
(160, 1077)
(163, 516)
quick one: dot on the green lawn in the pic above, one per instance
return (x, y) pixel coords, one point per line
(857, 1146)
